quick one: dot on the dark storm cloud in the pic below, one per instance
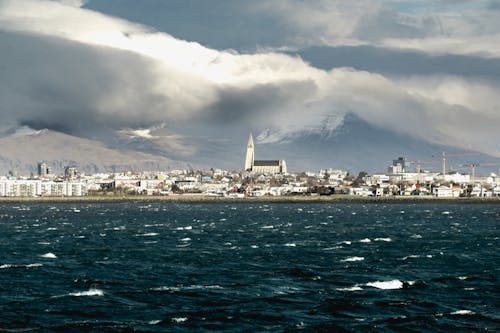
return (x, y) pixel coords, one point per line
(258, 104)
(80, 71)
(52, 83)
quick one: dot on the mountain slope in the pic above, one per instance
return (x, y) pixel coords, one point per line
(356, 145)
(21, 153)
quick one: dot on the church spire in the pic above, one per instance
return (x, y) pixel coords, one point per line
(250, 154)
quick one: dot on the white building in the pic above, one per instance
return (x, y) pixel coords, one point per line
(262, 166)
(34, 188)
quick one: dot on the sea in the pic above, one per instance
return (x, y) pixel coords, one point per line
(249, 267)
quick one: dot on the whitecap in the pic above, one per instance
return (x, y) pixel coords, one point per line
(254, 246)
(164, 288)
(332, 248)
(49, 255)
(267, 227)
(210, 286)
(353, 288)
(90, 292)
(417, 236)
(446, 213)
(393, 284)
(461, 278)
(179, 319)
(148, 234)
(184, 228)
(187, 239)
(365, 240)
(6, 266)
(383, 239)
(154, 322)
(350, 259)
(291, 244)
(346, 242)
(463, 312)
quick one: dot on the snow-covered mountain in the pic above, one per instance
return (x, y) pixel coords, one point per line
(356, 145)
(349, 143)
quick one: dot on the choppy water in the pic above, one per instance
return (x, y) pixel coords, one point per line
(249, 267)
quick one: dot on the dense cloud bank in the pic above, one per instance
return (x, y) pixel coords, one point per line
(84, 73)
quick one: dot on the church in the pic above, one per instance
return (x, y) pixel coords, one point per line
(262, 166)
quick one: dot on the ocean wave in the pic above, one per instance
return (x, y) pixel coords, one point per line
(179, 320)
(350, 259)
(148, 234)
(463, 312)
(49, 255)
(353, 288)
(383, 239)
(90, 292)
(184, 228)
(416, 256)
(393, 284)
(188, 288)
(7, 266)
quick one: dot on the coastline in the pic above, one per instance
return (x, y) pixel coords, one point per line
(267, 199)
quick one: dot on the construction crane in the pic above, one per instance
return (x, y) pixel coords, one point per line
(419, 167)
(444, 155)
(473, 167)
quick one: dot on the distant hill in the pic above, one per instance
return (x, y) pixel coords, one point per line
(22, 152)
(353, 145)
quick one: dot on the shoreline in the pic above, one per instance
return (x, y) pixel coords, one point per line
(270, 199)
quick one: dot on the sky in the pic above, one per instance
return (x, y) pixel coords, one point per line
(279, 68)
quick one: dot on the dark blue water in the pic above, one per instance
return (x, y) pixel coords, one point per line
(249, 267)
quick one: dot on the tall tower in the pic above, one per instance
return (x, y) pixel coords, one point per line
(250, 154)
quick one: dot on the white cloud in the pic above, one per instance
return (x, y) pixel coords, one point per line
(74, 3)
(442, 27)
(90, 70)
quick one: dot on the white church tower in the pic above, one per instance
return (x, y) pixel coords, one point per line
(250, 154)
